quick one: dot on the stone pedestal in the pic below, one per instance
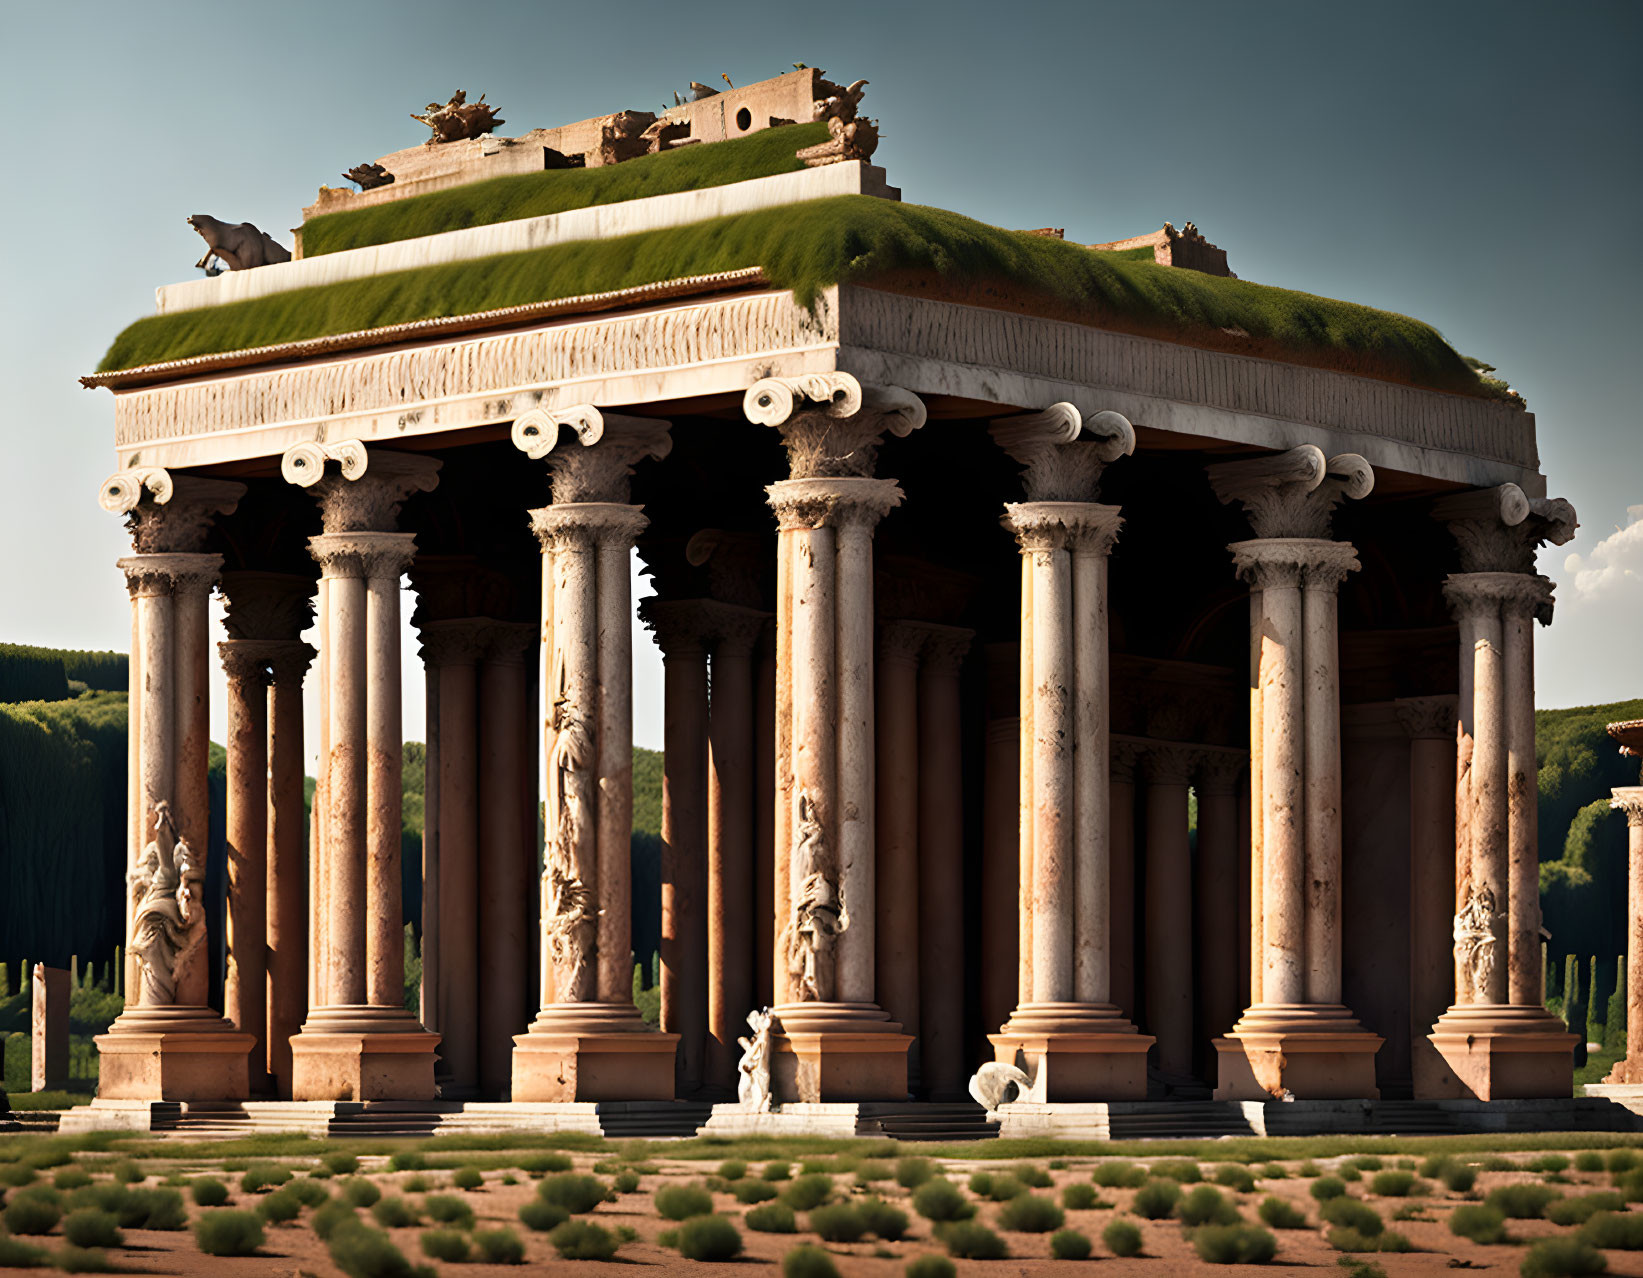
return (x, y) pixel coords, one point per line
(592, 1053)
(1496, 1051)
(1075, 1052)
(1629, 799)
(173, 1053)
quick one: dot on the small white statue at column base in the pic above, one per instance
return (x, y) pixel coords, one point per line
(997, 1083)
(753, 1087)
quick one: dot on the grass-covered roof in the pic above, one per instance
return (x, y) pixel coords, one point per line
(508, 199)
(845, 239)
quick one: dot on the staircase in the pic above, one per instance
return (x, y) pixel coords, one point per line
(1177, 1120)
(927, 1120)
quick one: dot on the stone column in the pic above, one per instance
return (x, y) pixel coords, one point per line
(940, 886)
(587, 1042)
(1121, 874)
(1498, 1041)
(1066, 1032)
(49, 994)
(1215, 896)
(1001, 851)
(1629, 799)
(507, 868)
(166, 1044)
(1430, 723)
(682, 634)
(832, 1042)
(897, 852)
(265, 612)
(764, 818)
(359, 1042)
(1295, 1038)
(1166, 773)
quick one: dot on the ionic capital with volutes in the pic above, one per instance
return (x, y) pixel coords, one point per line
(366, 490)
(832, 502)
(1629, 799)
(1292, 495)
(1427, 718)
(1078, 526)
(586, 525)
(1500, 529)
(1271, 563)
(373, 556)
(1062, 456)
(830, 423)
(1484, 594)
(611, 445)
(267, 605)
(168, 513)
(172, 573)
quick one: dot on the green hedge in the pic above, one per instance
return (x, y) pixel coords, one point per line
(31, 674)
(508, 199)
(99, 671)
(807, 246)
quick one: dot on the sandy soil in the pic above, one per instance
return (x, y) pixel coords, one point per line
(293, 1249)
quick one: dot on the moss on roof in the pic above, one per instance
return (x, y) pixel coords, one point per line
(844, 239)
(508, 199)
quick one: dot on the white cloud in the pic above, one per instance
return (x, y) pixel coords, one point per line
(1615, 565)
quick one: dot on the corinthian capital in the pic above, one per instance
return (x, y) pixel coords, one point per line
(1499, 529)
(165, 512)
(1292, 494)
(830, 423)
(610, 447)
(1080, 526)
(1271, 562)
(1062, 455)
(267, 605)
(368, 487)
(1629, 799)
(1484, 593)
(1427, 718)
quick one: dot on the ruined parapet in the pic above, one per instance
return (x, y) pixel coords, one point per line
(1185, 248)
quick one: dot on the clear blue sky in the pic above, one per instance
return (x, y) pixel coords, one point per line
(1474, 164)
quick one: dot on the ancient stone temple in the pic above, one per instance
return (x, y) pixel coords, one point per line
(1075, 664)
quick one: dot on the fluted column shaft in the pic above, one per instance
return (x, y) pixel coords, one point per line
(287, 852)
(1629, 799)
(1523, 980)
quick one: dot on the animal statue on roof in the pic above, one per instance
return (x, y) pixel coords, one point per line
(238, 246)
(368, 176)
(853, 137)
(459, 119)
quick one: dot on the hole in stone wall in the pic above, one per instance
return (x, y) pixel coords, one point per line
(744, 119)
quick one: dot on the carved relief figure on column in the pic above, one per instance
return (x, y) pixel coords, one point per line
(166, 928)
(569, 909)
(819, 910)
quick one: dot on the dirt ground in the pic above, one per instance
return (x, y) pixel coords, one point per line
(294, 1249)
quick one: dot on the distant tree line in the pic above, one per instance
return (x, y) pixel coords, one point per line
(56, 674)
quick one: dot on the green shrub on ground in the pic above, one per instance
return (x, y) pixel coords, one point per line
(837, 1223)
(1274, 1171)
(1345, 1238)
(1233, 1244)
(1365, 1162)
(1458, 1178)
(1078, 1197)
(72, 1178)
(407, 1160)
(1122, 1238)
(89, 1227)
(1395, 1184)
(226, 1232)
(1119, 1174)
(331, 1216)
(1000, 1188)
(359, 1192)
(542, 1164)
(883, 1221)
(1033, 1175)
(1350, 1213)
(449, 1245)
(872, 1171)
(339, 1164)
(779, 1171)
(280, 1206)
(941, 1200)
(309, 1192)
(911, 1172)
(1549, 1163)
(1523, 1201)
(1562, 1258)
(1308, 1170)
(574, 1192)
(1279, 1213)
(772, 1218)
(1029, 1214)
(931, 1265)
(157, 1208)
(625, 1181)
(1621, 1160)
(1206, 1205)
(971, 1240)
(467, 1178)
(583, 1240)
(1589, 1160)
(394, 1212)
(16, 1175)
(711, 1238)
(82, 1260)
(208, 1191)
(1156, 1199)
(32, 1214)
(1327, 1187)
(1069, 1244)
(362, 1252)
(499, 1247)
(732, 1169)
(1235, 1176)
(414, 1185)
(541, 1216)
(449, 1210)
(127, 1172)
(1614, 1230)
(1582, 1207)
(1350, 1174)
(808, 1262)
(752, 1190)
(1478, 1222)
(1183, 1170)
(680, 1202)
(261, 1177)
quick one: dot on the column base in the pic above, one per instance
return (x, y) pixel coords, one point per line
(1301, 1051)
(1075, 1052)
(592, 1052)
(362, 1053)
(173, 1054)
(827, 1052)
(1497, 1051)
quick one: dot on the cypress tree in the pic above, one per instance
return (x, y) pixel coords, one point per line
(1574, 1011)
(1614, 1024)
(1597, 1005)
